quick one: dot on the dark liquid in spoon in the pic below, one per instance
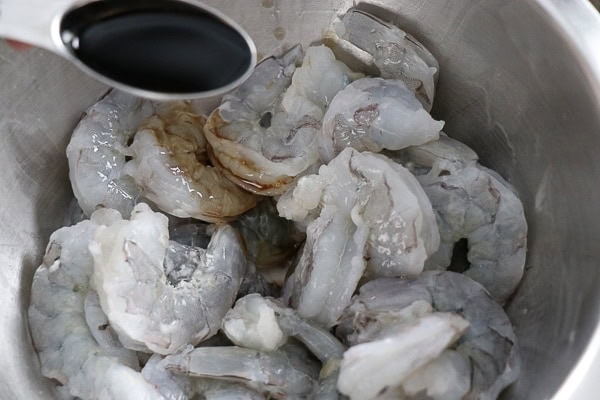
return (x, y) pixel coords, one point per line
(175, 48)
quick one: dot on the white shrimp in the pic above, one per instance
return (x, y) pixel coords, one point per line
(147, 312)
(396, 54)
(169, 164)
(98, 149)
(484, 360)
(474, 203)
(73, 349)
(265, 324)
(372, 114)
(359, 325)
(369, 369)
(285, 373)
(264, 134)
(102, 332)
(361, 206)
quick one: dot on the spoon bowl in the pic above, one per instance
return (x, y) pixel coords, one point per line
(158, 49)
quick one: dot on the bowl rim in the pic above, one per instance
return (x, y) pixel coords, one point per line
(578, 22)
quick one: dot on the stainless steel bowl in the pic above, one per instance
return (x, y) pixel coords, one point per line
(520, 83)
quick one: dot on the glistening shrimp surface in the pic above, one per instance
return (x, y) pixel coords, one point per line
(317, 196)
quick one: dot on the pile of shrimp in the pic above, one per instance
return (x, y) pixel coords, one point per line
(295, 243)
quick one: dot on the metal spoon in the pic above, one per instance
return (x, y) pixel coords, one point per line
(159, 49)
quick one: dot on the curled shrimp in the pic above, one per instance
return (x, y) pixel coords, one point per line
(97, 153)
(75, 346)
(372, 114)
(474, 203)
(169, 165)
(265, 324)
(482, 362)
(362, 211)
(149, 313)
(394, 52)
(264, 134)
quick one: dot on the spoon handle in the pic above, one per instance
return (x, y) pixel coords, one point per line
(33, 21)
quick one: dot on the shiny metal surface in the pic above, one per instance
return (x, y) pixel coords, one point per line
(520, 83)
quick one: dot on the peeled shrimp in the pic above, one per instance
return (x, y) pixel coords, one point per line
(63, 318)
(169, 164)
(359, 324)
(147, 312)
(484, 360)
(180, 387)
(475, 203)
(102, 332)
(285, 373)
(265, 324)
(397, 54)
(372, 114)
(369, 369)
(98, 149)
(264, 134)
(362, 211)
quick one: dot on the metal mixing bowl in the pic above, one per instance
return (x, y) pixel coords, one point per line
(520, 83)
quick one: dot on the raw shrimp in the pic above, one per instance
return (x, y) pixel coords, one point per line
(98, 149)
(397, 54)
(265, 324)
(486, 356)
(147, 312)
(63, 320)
(169, 165)
(362, 211)
(285, 373)
(474, 203)
(374, 114)
(359, 324)
(369, 369)
(264, 134)
(180, 387)
(270, 240)
(181, 262)
(102, 332)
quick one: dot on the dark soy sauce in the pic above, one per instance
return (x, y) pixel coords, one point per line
(154, 45)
